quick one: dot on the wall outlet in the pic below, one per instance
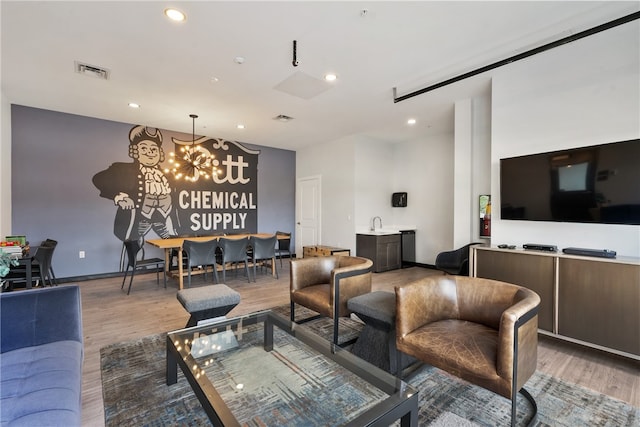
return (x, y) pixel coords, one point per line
(81, 254)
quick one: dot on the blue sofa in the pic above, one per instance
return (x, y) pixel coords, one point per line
(41, 355)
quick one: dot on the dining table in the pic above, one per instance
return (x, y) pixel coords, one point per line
(176, 242)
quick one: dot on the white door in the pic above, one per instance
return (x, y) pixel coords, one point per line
(308, 212)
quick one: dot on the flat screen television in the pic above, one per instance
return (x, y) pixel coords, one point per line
(595, 184)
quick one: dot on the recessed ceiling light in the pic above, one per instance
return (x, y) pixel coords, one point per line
(134, 105)
(411, 121)
(240, 126)
(214, 79)
(330, 77)
(175, 14)
(238, 59)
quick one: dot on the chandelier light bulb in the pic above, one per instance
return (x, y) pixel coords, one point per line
(197, 160)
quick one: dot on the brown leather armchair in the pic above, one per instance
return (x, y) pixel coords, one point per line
(481, 330)
(325, 284)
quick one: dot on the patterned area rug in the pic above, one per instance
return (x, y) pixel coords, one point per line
(135, 393)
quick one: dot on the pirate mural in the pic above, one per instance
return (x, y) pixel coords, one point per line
(149, 196)
(140, 189)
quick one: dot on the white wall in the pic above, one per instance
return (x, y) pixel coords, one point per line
(5, 167)
(366, 172)
(334, 162)
(463, 203)
(360, 174)
(424, 169)
(374, 179)
(583, 93)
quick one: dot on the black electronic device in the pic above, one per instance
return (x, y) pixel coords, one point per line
(399, 200)
(593, 184)
(539, 247)
(600, 253)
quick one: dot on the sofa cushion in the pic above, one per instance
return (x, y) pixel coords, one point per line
(41, 385)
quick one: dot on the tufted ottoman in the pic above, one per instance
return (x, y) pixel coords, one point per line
(377, 341)
(208, 302)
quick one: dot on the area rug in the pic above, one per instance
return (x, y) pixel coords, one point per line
(135, 393)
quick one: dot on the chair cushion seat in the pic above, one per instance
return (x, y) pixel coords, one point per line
(315, 298)
(465, 349)
(207, 297)
(41, 385)
(379, 305)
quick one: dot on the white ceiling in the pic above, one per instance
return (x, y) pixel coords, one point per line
(168, 67)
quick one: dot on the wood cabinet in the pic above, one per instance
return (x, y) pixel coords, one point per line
(531, 271)
(587, 300)
(384, 250)
(321, 250)
(599, 302)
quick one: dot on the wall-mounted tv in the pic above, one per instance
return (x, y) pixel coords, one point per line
(595, 184)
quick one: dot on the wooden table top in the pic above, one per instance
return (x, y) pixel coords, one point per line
(176, 242)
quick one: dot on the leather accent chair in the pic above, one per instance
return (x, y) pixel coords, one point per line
(456, 261)
(325, 284)
(481, 330)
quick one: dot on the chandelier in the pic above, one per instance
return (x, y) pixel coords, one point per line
(192, 161)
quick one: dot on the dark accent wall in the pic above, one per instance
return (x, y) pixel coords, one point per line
(54, 157)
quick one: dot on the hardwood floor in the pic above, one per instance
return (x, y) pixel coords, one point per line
(110, 316)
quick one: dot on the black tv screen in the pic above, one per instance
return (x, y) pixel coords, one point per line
(596, 184)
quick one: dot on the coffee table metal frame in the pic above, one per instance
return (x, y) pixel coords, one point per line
(402, 402)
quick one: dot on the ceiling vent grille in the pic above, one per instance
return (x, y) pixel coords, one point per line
(92, 71)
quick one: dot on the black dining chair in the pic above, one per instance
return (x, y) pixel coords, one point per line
(52, 243)
(262, 249)
(455, 262)
(41, 265)
(233, 251)
(134, 247)
(200, 254)
(284, 244)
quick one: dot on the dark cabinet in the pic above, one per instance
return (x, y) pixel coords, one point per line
(536, 272)
(384, 250)
(593, 301)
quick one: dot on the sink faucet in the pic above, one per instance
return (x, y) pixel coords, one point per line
(373, 223)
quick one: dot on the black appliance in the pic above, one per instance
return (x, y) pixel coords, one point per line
(399, 200)
(408, 247)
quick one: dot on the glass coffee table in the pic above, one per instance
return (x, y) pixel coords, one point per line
(262, 369)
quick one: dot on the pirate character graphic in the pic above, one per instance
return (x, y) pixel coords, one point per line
(140, 189)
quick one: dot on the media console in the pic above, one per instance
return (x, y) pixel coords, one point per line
(588, 300)
(600, 253)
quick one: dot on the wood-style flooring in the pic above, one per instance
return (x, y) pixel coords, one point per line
(110, 316)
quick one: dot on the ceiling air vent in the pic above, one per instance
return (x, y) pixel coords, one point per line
(283, 118)
(92, 71)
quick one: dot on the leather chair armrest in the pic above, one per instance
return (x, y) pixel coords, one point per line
(521, 321)
(350, 278)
